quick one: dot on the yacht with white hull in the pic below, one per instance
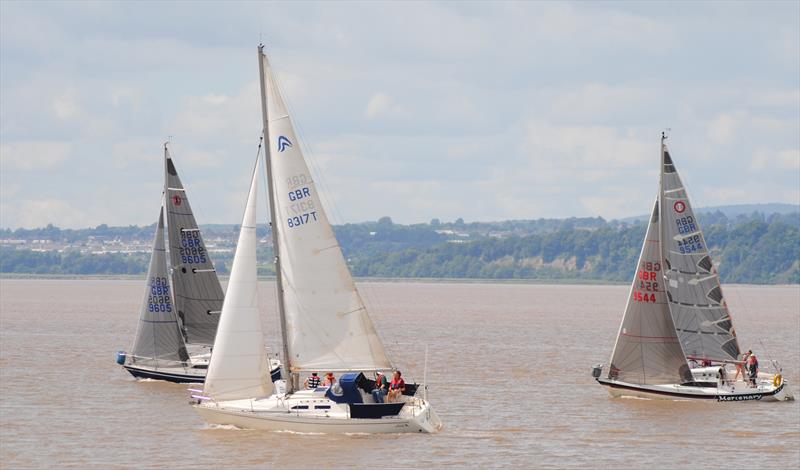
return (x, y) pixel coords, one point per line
(324, 323)
(676, 311)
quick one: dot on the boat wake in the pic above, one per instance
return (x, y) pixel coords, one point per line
(222, 426)
(299, 433)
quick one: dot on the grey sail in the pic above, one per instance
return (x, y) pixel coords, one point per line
(198, 294)
(647, 350)
(158, 337)
(698, 308)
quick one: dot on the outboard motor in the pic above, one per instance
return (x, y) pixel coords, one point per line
(121, 355)
(597, 370)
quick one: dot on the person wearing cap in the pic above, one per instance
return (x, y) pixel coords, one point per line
(752, 366)
(312, 382)
(381, 385)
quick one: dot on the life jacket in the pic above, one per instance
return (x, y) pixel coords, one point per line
(397, 384)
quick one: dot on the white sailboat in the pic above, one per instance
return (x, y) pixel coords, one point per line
(324, 323)
(676, 312)
(183, 299)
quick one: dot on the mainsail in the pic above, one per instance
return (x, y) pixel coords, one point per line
(238, 367)
(647, 350)
(327, 325)
(198, 295)
(158, 338)
(694, 294)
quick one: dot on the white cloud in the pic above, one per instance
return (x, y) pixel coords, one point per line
(34, 155)
(379, 103)
(66, 106)
(722, 129)
(788, 159)
(473, 110)
(40, 212)
(218, 116)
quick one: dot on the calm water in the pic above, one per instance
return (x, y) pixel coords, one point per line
(508, 373)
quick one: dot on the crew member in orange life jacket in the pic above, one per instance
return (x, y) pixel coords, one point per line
(330, 379)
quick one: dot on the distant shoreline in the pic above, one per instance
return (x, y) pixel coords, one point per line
(422, 280)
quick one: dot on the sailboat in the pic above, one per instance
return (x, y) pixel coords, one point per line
(676, 313)
(182, 302)
(324, 323)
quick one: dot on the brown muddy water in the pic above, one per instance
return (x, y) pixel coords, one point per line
(508, 373)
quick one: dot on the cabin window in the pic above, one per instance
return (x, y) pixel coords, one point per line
(322, 407)
(300, 407)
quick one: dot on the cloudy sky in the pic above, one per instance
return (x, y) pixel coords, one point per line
(485, 111)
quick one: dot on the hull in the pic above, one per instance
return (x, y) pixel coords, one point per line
(179, 374)
(175, 375)
(280, 413)
(736, 392)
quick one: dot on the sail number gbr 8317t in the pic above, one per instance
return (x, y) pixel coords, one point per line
(647, 285)
(303, 206)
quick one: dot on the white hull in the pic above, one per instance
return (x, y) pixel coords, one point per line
(280, 413)
(739, 391)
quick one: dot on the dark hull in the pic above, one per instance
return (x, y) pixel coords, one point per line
(179, 378)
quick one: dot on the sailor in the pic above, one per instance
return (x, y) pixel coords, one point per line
(381, 384)
(397, 386)
(312, 382)
(740, 367)
(752, 367)
(722, 375)
(329, 381)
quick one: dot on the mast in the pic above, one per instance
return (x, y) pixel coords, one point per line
(167, 246)
(272, 211)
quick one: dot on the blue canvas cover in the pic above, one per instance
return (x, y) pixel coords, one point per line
(347, 391)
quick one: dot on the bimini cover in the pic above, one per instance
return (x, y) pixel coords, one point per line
(347, 389)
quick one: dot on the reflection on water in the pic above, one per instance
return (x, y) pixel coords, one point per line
(508, 372)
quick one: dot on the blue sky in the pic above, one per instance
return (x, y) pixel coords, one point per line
(416, 110)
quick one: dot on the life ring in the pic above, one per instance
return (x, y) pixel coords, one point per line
(777, 381)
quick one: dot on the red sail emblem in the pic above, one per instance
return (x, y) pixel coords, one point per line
(177, 200)
(678, 206)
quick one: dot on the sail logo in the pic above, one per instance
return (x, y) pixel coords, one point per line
(283, 143)
(679, 207)
(176, 200)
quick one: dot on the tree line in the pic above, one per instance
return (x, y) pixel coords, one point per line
(746, 249)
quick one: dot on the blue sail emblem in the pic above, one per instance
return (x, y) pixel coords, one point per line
(283, 143)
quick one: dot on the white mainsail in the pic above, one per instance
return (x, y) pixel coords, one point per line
(647, 350)
(239, 366)
(698, 309)
(158, 338)
(327, 325)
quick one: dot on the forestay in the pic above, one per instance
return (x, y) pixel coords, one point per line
(198, 295)
(698, 308)
(239, 367)
(158, 338)
(647, 350)
(327, 325)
